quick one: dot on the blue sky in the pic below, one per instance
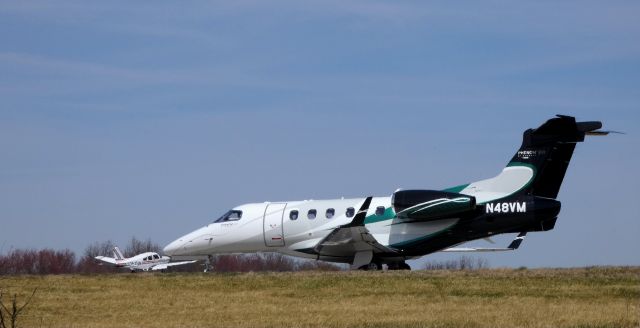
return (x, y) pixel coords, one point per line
(151, 119)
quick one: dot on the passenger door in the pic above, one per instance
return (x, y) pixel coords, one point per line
(272, 224)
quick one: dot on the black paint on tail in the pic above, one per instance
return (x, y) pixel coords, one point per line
(548, 149)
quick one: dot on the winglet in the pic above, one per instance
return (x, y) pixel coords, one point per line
(358, 220)
(517, 241)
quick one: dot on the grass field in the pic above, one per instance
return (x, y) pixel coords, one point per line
(590, 297)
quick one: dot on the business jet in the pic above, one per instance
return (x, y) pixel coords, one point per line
(370, 232)
(142, 262)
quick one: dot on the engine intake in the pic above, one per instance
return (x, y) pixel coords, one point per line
(430, 204)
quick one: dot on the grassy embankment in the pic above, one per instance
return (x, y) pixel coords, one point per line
(596, 297)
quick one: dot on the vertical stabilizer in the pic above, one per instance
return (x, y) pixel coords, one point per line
(539, 166)
(548, 150)
(117, 253)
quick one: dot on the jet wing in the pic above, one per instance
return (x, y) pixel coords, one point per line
(353, 239)
(164, 266)
(512, 247)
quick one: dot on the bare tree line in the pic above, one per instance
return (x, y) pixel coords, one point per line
(49, 261)
(461, 263)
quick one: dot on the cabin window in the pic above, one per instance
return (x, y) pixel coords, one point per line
(233, 215)
(330, 213)
(293, 215)
(380, 210)
(350, 212)
(155, 256)
(312, 214)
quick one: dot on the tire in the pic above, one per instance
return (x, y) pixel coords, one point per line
(375, 266)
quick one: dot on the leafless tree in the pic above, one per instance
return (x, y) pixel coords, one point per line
(137, 246)
(9, 314)
(44, 261)
(462, 263)
(87, 263)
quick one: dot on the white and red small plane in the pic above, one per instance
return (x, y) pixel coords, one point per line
(144, 262)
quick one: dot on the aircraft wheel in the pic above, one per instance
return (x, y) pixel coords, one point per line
(373, 266)
(404, 266)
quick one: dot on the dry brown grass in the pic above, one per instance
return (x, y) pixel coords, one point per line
(590, 297)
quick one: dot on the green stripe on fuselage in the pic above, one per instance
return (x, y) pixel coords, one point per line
(389, 214)
(457, 189)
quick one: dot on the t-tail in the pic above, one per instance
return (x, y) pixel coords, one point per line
(548, 150)
(523, 196)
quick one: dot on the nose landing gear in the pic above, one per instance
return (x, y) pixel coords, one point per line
(207, 263)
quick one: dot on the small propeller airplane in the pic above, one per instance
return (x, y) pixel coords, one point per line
(141, 262)
(368, 232)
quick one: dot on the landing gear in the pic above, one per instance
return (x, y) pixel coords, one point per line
(207, 263)
(373, 266)
(399, 266)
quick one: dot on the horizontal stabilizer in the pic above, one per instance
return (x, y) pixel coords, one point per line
(512, 247)
(602, 133)
(106, 259)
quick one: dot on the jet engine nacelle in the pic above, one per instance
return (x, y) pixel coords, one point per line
(430, 204)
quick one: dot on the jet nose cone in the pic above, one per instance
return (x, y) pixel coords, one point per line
(173, 248)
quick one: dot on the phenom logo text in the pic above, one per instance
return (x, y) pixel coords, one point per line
(510, 207)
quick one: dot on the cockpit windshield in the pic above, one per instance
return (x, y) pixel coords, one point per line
(233, 215)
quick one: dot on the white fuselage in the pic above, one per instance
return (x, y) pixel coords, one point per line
(274, 227)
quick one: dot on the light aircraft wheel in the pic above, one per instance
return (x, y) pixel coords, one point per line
(404, 266)
(373, 266)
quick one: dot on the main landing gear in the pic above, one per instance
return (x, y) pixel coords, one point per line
(365, 261)
(399, 266)
(375, 266)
